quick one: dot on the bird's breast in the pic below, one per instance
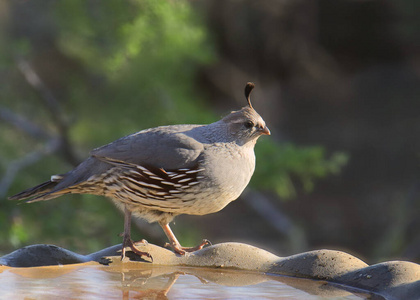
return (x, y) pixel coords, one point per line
(227, 174)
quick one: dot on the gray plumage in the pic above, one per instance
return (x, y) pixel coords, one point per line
(162, 172)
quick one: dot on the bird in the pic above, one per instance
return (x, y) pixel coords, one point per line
(159, 173)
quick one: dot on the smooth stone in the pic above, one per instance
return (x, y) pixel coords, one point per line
(318, 264)
(393, 279)
(50, 255)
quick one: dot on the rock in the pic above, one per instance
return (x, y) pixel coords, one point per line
(392, 280)
(40, 255)
(396, 279)
(319, 264)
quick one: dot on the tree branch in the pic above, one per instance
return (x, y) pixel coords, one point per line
(53, 106)
(15, 166)
(277, 219)
(23, 124)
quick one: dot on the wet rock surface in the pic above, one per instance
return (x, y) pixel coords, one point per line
(390, 280)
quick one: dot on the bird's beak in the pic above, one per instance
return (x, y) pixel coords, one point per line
(265, 130)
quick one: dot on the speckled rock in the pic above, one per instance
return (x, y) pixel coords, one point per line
(393, 279)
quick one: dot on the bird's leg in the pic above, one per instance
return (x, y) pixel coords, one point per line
(174, 244)
(127, 241)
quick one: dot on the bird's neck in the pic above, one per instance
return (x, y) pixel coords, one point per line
(216, 132)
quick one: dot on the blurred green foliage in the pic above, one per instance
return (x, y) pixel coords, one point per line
(133, 66)
(282, 167)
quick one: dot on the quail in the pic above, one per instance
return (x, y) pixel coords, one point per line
(159, 173)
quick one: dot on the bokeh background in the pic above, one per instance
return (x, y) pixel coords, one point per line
(336, 81)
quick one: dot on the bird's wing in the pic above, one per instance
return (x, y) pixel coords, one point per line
(168, 147)
(148, 154)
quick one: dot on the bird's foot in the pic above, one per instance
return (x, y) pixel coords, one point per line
(182, 250)
(128, 243)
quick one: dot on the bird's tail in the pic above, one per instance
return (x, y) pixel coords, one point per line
(42, 191)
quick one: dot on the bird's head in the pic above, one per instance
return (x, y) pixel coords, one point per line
(246, 125)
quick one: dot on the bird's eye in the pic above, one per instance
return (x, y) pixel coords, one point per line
(249, 124)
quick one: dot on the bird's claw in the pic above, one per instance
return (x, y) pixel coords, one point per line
(129, 243)
(182, 250)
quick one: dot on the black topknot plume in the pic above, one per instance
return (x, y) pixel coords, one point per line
(248, 89)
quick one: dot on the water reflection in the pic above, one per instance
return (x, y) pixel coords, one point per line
(140, 281)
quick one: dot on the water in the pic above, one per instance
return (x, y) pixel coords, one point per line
(137, 281)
